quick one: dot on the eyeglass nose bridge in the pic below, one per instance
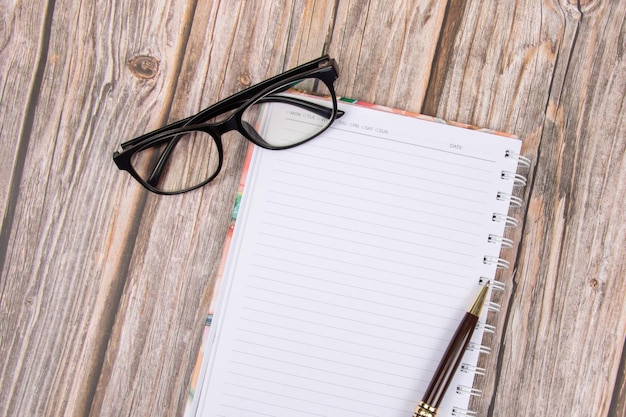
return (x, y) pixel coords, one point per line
(234, 122)
(229, 124)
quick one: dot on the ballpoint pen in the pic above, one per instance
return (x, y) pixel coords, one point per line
(451, 359)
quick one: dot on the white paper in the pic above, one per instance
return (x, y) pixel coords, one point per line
(353, 260)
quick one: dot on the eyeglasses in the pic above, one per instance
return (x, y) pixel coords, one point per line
(297, 106)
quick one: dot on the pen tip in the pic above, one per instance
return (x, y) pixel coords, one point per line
(480, 301)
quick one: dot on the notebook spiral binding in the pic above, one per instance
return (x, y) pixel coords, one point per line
(517, 180)
(473, 347)
(508, 220)
(462, 412)
(462, 389)
(473, 369)
(486, 328)
(495, 285)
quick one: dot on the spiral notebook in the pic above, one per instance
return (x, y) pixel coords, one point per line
(352, 260)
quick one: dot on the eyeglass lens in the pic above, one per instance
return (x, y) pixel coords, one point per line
(294, 113)
(191, 161)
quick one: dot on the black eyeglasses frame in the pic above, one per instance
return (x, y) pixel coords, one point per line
(323, 69)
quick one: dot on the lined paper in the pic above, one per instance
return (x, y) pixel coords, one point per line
(353, 260)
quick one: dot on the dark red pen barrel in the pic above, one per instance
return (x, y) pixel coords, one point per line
(450, 361)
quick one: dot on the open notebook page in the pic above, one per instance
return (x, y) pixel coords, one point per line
(354, 258)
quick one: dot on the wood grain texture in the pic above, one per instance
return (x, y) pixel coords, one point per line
(23, 40)
(67, 251)
(569, 255)
(105, 287)
(566, 326)
(386, 50)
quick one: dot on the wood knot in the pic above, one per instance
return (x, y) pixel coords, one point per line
(580, 7)
(594, 284)
(144, 67)
(245, 79)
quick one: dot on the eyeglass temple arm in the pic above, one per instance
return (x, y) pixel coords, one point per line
(153, 180)
(318, 109)
(172, 126)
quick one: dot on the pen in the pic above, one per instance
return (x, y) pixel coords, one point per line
(451, 359)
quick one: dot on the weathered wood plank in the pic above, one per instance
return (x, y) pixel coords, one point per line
(68, 245)
(534, 72)
(386, 50)
(563, 341)
(23, 46)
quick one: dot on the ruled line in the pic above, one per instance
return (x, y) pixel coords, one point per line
(463, 210)
(325, 381)
(282, 395)
(331, 373)
(371, 190)
(277, 324)
(412, 370)
(377, 314)
(412, 144)
(388, 214)
(346, 297)
(377, 291)
(309, 390)
(447, 261)
(375, 235)
(454, 166)
(357, 368)
(267, 245)
(317, 391)
(404, 176)
(248, 410)
(270, 404)
(335, 316)
(329, 326)
(381, 161)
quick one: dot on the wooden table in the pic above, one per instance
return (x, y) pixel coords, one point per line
(105, 287)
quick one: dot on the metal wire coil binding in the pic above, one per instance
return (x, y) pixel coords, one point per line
(502, 241)
(507, 220)
(518, 179)
(498, 262)
(521, 160)
(463, 389)
(512, 199)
